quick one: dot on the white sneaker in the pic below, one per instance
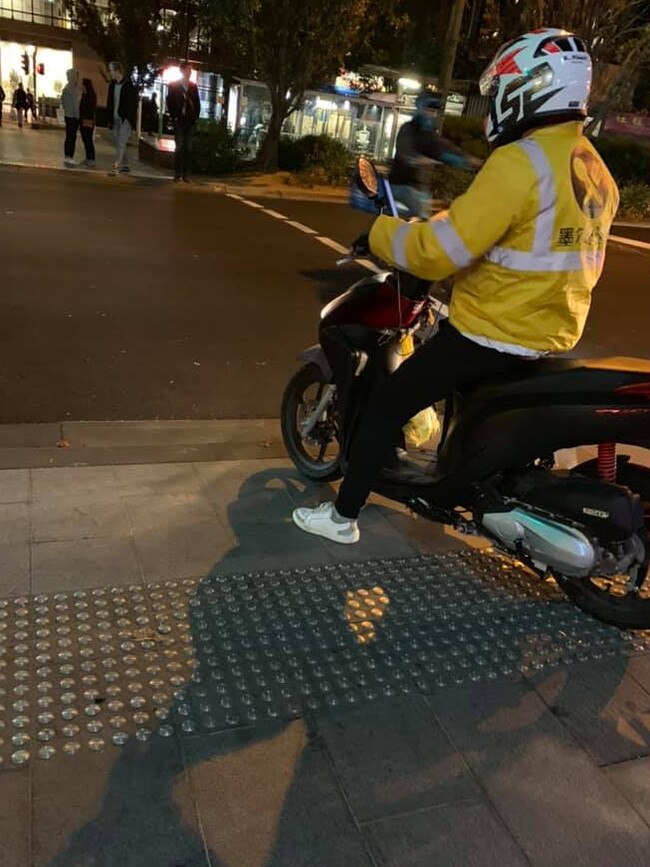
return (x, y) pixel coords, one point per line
(319, 522)
(69, 162)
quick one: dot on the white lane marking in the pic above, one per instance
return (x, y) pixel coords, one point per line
(630, 242)
(334, 245)
(328, 242)
(301, 227)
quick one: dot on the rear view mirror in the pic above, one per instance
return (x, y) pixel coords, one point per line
(367, 178)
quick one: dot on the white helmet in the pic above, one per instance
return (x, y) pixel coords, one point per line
(542, 77)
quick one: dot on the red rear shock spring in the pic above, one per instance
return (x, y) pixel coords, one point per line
(607, 462)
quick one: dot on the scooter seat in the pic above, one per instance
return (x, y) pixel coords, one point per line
(562, 376)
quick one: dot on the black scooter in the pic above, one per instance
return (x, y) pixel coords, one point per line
(495, 472)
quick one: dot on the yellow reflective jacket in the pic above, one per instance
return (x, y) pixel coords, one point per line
(526, 242)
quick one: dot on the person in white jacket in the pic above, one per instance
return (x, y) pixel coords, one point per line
(70, 99)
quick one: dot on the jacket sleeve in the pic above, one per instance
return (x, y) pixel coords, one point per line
(475, 222)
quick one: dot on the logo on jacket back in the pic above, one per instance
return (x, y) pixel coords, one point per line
(589, 181)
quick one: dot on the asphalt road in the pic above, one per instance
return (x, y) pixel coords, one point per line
(138, 300)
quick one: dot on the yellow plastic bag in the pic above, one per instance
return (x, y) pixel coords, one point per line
(425, 425)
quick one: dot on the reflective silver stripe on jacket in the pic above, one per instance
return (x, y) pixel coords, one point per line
(542, 257)
(545, 222)
(451, 242)
(399, 246)
(519, 260)
(507, 348)
(448, 238)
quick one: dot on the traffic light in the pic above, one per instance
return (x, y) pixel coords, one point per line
(25, 62)
(40, 68)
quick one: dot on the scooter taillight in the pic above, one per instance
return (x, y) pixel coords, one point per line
(637, 389)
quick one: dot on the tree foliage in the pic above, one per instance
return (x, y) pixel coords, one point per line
(290, 45)
(130, 31)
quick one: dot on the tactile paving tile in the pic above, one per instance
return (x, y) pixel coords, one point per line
(88, 670)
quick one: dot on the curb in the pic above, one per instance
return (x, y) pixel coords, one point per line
(103, 443)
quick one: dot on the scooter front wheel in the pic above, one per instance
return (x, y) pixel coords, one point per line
(309, 425)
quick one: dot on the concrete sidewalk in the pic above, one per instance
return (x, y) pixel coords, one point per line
(186, 679)
(32, 147)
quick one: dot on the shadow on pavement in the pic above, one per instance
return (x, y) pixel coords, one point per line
(282, 653)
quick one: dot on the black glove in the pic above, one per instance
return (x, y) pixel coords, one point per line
(361, 247)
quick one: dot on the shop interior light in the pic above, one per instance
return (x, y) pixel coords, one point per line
(409, 84)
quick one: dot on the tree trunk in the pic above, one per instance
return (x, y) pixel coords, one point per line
(268, 156)
(225, 105)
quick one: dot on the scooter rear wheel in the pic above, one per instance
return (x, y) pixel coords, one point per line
(317, 456)
(608, 599)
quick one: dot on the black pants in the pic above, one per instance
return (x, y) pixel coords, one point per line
(183, 157)
(445, 363)
(71, 127)
(87, 139)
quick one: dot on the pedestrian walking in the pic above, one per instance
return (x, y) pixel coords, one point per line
(19, 102)
(31, 105)
(184, 107)
(122, 110)
(87, 118)
(3, 96)
(70, 99)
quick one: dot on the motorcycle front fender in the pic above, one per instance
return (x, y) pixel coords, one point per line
(315, 355)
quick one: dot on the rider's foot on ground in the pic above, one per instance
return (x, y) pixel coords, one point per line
(323, 521)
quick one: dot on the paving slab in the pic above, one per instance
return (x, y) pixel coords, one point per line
(94, 562)
(65, 517)
(15, 545)
(632, 779)
(15, 819)
(267, 798)
(97, 483)
(185, 550)
(120, 806)
(15, 486)
(603, 706)
(393, 758)
(451, 835)
(560, 807)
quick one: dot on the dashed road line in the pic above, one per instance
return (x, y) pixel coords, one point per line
(333, 245)
(301, 227)
(275, 214)
(630, 242)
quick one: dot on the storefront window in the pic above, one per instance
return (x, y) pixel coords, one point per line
(37, 11)
(55, 63)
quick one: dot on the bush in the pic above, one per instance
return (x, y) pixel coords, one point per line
(627, 160)
(215, 150)
(448, 183)
(320, 156)
(467, 133)
(635, 202)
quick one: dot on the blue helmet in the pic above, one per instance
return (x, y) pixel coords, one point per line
(425, 102)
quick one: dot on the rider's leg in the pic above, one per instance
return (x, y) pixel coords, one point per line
(447, 362)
